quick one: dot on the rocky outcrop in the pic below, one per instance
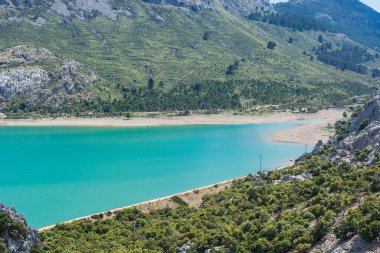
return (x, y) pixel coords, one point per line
(22, 76)
(185, 248)
(14, 233)
(371, 113)
(243, 7)
(291, 178)
(84, 9)
(21, 82)
(362, 142)
(355, 244)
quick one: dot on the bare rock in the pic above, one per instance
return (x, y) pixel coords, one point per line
(24, 77)
(22, 243)
(21, 82)
(371, 112)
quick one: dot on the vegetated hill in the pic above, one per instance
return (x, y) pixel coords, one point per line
(327, 202)
(177, 55)
(351, 17)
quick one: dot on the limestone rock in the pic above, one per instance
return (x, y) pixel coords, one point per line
(20, 244)
(371, 113)
(359, 140)
(22, 76)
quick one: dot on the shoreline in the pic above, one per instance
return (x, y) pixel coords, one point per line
(196, 119)
(193, 197)
(305, 133)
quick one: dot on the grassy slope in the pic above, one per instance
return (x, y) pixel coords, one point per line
(125, 50)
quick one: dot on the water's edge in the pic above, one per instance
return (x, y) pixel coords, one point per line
(68, 172)
(155, 204)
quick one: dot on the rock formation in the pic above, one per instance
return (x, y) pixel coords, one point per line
(15, 236)
(361, 143)
(23, 76)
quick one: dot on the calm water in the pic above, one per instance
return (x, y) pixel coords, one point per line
(52, 174)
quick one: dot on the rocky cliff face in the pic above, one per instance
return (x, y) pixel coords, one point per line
(90, 8)
(361, 142)
(41, 77)
(15, 237)
(243, 7)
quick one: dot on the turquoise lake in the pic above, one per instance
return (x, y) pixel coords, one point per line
(52, 174)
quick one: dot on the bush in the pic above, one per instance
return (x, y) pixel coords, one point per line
(371, 231)
(3, 247)
(363, 125)
(206, 35)
(375, 184)
(15, 229)
(261, 246)
(375, 73)
(271, 45)
(179, 201)
(362, 155)
(304, 247)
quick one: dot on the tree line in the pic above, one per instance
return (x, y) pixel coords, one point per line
(291, 20)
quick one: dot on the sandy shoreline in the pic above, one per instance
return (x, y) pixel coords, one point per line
(197, 119)
(307, 133)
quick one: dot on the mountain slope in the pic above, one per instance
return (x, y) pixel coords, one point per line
(351, 17)
(176, 56)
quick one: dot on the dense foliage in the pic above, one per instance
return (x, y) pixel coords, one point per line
(375, 73)
(365, 220)
(252, 216)
(211, 95)
(345, 58)
(291, 20)
(13, 228)
(351, 17)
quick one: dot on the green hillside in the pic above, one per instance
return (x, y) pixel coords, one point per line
(351, 17)
(183, 56)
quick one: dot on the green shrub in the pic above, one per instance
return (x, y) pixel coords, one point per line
(363, 125)
(271, 45)
(179, 201)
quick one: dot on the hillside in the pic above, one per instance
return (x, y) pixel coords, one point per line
(327, 202)
(175, 55)
(351, 17)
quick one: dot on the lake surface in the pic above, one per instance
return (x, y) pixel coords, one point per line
(51, 174)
